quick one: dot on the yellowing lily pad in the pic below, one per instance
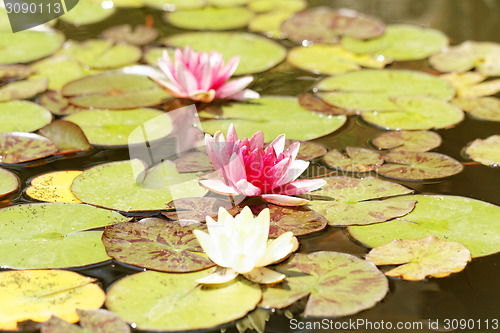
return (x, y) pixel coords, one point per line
(473, 223)
(176, 302)
(19, 147)
(17, 72)
(485, 108)
(400, 42)
(9, 183)
(485, 151)
(470, 84)
(337, 284)
(407, 140)
(269, 23)
(37, 295)
(87, 12)
(22, 116)
(59, 70)
(22, 89)
(273, 115)
(420, 258)
(355, 160)
(67, 136)
(90, 321)
(260, 6)
(53, 235)
(138, 35)
(53, 187)
(26, 46)
(210, 18)
(57, 104)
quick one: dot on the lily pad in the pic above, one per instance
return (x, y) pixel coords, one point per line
(473, 223)
(269, 23)
(121, 189)
(195, 209)
(407, 140)
(470, 84)
(17, 72)
(260, 6)
(347, 201)
(100, 320)
(114, 91)
(485, 108)
(59, 70)
(210, 18)
(176, 302)
(52, 235)
(257, 53)
(22, 89)
(485, 151)
(157, 244)
(9, 183)
(172, 5)
(331, 59)
(400, 42)
(19, 147)
(337, 284)
(227, 3)
(412, 165)
(121, 128)
(22, 116)
(355, 159)
(67, 136)
(274, 115)
(311, 102)
(53, 187)
(87, 12)
(429, 256)
(38, 294)
(193, 162)
(139, 35)
(308, 150)
(57, 104)
(324, 25)
(27, 46)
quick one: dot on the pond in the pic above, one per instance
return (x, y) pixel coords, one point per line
(468, 300)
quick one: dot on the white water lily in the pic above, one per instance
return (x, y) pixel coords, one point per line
(239, 246)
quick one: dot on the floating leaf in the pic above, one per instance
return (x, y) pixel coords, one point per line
(429, 256)
(114, 91)
(22, 89)
(176, 302)
(26, 46)
(17, 72)
(193, 162)
(312, 103)
(269, 23)
(470, 84)
(19, 147)
(227, 3)
(331, 59)
(260, 6)
(400, 42)
(59, 70)
(157, 244)
(53, 187)
(57, 104)
(120, 189)
(67, 136)
(210, 18)
(308, 150)
(52, 235)
(100, 320)
(407, 140)
(196, 209)
(274, 115)
(257, 54)
(152, 54)
(473, 223)
(87, 12)
(483, 56)
(412, 165)
(485, 108)
(485, 151)
(355, 160)
(171, 5)
(139, 35)
(22, 116)
(9, 183)
(324, 25)
(337, 284)
(37, 295)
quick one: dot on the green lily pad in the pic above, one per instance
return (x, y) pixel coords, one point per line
(59, 70)
(269, 23)
(413, 165)
(227, 3)
(193, 162)
(210, 18)
(27, 46)
(308, 150)
(114, 91)
(400, 42)
(152, 54)
(312, 103)
(331, 59)
(90, 321)
(337, 284)
(120, 188)
(348, 201)
(176, 302)
(195, 209)
(407, 140)
(473, 223)
(121, 128)
(57, 104)
(87, 12)
(53, 235)
(19, 147)
(485, 151)
(260, 6)
(323, 25)
(355, 159)
(172, 5)
(483, 56)
(9, 183)
(257, 53)
(273, 115)
(139, 35)
(22, 116)
(484, 108)
(67, 136)
(22, 89)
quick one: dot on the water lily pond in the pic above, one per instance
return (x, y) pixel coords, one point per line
(251, 165)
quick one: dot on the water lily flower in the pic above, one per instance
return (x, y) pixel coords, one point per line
(249, 169)
(238, 245)
(203, 77)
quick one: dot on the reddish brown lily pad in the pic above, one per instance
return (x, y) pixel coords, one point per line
(196, 209)
(193, 162)
(410, 165)
(355, 160)
(157, 244)
(58, 104)
(19, 147)
(308, 150)
(140, 35)
(102, 321)
(313, 103)
(68, 137)
(407, 140)
(324, 25)
(485, 108)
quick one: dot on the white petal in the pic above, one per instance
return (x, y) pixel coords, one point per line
(262, 275)
(277, 250)
(221, 275)
(211, 249)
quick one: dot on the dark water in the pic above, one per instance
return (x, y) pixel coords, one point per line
(473, 294)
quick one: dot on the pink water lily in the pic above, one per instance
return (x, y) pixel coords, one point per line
(249, 169)
(203, 77)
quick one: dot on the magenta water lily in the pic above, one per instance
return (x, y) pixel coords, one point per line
(203, 77)
(249, 169)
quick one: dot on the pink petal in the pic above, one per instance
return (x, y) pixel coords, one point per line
(185, 78)
(232, 136)
(246, 188)
(232, 87)
(236, 169)
(299, 186)
(244, 95)
(293, 150)
(217, 186)
(284, 200)
(296, 169)
(205, 76)
(278, 144)
(254, 166)
(257, 141)
(226, 72)
(169, 87)
(166, 65)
